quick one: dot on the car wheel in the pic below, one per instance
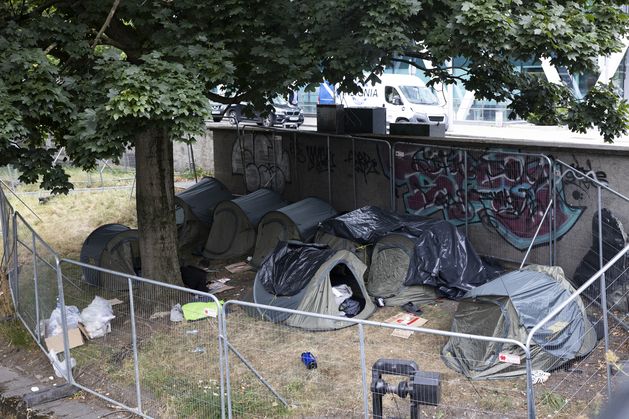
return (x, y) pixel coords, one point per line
(402, 120)
(268, 120)
(233, 117)
(217, 119)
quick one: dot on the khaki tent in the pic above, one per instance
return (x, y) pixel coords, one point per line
(303, 277)
(235, 223)
(389, 267)
(509, 307)
(193, 213)
(296, 221)
(114, 247)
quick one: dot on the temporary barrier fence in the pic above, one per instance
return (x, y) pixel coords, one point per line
(240, 364)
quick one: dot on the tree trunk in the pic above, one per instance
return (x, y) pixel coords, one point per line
(155, 202)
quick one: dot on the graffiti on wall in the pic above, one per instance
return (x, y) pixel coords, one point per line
(507, 191)
(262, 160)
(578, 184)
(314, 158)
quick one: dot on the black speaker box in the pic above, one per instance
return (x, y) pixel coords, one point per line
(366, 120)
(330, 119)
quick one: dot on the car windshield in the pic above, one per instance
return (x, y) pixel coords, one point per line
(419, 95)
(278, 100)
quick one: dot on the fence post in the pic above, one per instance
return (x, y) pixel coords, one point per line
(64, 322)
(3, 223)
(134, 342)
(603, 290)
(465, 194)
(530, 391)
(329, 173)
(354, 170)
(35, 280)
(363, 367)
(226, 360)
(16, 270)
(221, 366)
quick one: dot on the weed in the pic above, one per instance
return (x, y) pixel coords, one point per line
(553, 400)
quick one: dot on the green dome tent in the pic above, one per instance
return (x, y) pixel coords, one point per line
(390, 261)
(233, 231)
(114, 247)
(302, 277)
(509, 307)
(193, 213)
(296, 221)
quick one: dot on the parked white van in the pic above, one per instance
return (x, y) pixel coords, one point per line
(406, 98)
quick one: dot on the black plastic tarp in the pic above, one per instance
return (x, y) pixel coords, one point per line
(291, 266)
(367, 224)
(443, 257)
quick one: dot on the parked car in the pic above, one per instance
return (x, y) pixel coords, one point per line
(283, 114)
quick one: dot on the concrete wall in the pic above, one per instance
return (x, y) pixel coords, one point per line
(501, 187)
(203, 150)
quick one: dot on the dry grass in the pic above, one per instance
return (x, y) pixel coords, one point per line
(66, 220)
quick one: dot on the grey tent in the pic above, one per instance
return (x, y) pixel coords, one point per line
(390, 262)
(509, 307)
(296, 221)
(302, 277)
(235, 223)
(114, 247)
(193, 213)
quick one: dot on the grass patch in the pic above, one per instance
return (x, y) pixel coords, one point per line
(14, 333)
(553, 400)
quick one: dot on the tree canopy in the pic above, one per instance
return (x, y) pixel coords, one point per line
(97, 77)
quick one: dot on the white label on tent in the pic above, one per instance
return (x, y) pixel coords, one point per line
(509, 358)
(399, 154)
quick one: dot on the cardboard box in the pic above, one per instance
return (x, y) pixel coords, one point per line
(405, 319)
(55, 343)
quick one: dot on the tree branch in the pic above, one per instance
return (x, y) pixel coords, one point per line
(106, 23)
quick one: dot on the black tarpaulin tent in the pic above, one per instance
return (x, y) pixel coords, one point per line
(194, 208)
(297, 221)
(301, 277)
(442, 257)
(235, 223)
(509, 307)
(114, 247)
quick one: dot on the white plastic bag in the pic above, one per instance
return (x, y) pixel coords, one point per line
(54, 326)
(60, 367)
(96, 317)
(341, 293)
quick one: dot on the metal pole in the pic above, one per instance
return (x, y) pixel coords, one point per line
(363, 368)
(221, 368)
(465, 186)
(4, 219)
(64, 322)
(329, 173)
(536, 233)
(554, 224)
(392, 157)
(35, 280)
(392, 177)
(194, 166)
(16, 270)
(603, 289)
(354, 170)
(227, 373)
(134, 343)
(530, 390)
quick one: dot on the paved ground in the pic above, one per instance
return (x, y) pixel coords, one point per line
(15, 385)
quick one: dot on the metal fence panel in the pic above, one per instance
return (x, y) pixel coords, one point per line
(148, 362)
